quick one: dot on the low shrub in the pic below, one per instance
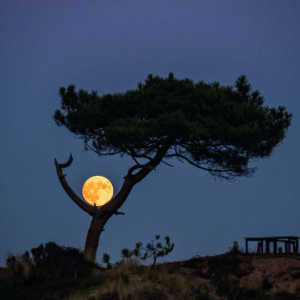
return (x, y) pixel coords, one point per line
(49, 261)
(153, 250)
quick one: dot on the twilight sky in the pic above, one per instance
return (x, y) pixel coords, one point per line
(110, 46)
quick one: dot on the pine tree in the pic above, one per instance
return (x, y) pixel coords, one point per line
(218, 129)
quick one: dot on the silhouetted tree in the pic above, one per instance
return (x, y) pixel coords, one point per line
(154, 250)
(218, 129)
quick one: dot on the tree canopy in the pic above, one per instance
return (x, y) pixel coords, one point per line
(215, 128)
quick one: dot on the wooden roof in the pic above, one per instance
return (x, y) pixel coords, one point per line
(285, 237)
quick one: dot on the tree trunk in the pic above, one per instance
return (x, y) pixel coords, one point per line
(92, 239)
(100, 218)
(101, 215)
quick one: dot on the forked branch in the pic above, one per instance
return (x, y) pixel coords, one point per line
(84, 206)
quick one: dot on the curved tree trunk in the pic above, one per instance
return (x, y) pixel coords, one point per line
(100, 215)
(92, 239)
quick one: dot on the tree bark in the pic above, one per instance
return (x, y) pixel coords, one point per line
(93, 237)
(100, 215)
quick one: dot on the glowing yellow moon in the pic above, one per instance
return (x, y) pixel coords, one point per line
(97, 190)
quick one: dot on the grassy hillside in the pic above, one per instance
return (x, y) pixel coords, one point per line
(228, 276)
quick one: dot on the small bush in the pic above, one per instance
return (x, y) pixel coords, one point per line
(295, 275)
(284, 296)
(154, 250)
(266, 284)
(49, 261)
(21, 266)
(106, 260)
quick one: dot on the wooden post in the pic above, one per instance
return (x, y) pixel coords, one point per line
(267, 246)
(285, 247)
(259, 249)
(275, 246)
(294, 246)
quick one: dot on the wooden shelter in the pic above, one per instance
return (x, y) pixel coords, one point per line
(291, 244)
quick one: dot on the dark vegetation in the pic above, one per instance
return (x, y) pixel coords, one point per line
(49, 261)
(50, 272)
(154, 250)
(55, 272)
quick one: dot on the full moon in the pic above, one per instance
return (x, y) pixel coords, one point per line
(97, 190)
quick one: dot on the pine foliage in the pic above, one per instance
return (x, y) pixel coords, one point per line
(216, 128)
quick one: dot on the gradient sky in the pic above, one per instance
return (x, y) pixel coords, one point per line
(110, 46)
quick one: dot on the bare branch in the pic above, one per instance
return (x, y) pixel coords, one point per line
(67, 163)
(84, 206)
(135, 167)
(227, 174)
(119, 213)
(169, 165)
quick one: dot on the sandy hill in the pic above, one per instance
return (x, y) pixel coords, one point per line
(227, 276)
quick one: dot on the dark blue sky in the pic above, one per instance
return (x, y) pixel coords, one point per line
(109, 47)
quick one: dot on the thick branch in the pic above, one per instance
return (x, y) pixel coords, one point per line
(131, 179)
(151, 165)
(84, 206)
